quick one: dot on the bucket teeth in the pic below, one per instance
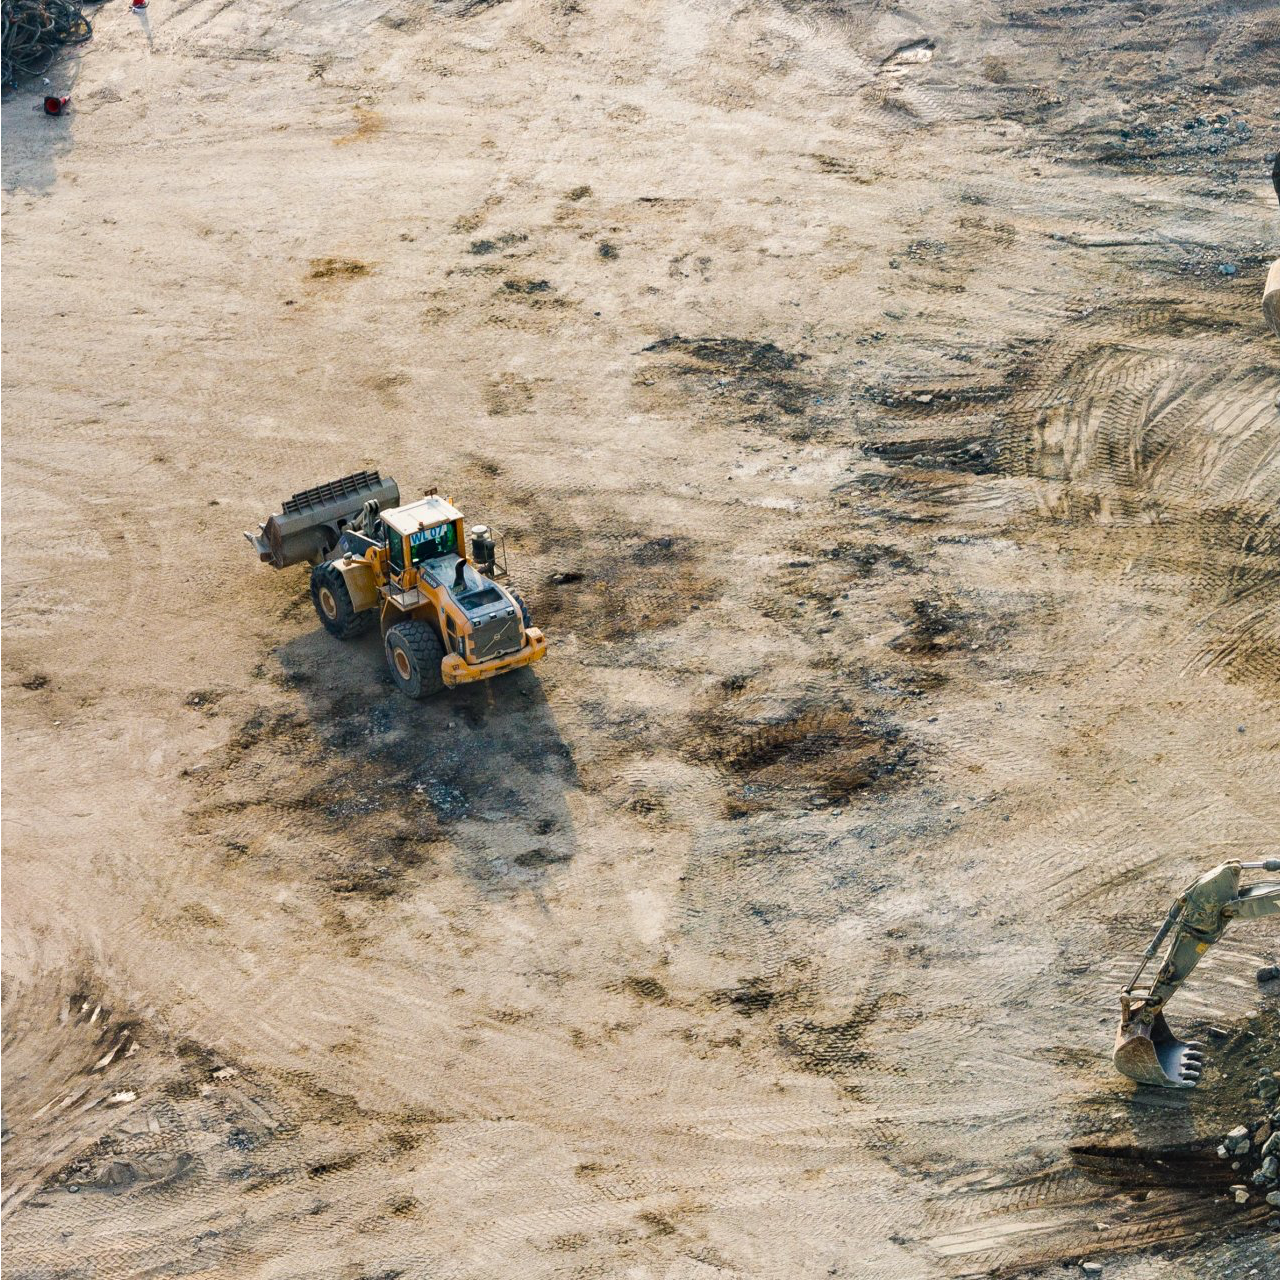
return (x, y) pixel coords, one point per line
(1154, 1055)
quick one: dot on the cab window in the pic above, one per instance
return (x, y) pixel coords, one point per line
(427, 544)
(395, 552)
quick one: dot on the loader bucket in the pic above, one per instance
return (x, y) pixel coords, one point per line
(308, 525)
(1154, 1055)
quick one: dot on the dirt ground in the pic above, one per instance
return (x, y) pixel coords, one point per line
(878, 407)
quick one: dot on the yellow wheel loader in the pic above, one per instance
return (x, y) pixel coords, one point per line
(1146, 1049)
(445, 620)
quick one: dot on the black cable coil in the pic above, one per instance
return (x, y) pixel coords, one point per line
(34, 31)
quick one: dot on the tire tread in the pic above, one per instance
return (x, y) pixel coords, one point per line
(348, 623)
(421, 641)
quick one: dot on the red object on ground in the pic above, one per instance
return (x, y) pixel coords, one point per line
(139, 4)
(55, 106)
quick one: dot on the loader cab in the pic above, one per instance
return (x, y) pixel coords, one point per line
(395, 552)
(422, 531)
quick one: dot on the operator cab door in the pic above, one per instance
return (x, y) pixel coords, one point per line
(395, 555)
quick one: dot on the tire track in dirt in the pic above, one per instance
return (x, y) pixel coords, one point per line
(750, 974)
(1126, 417)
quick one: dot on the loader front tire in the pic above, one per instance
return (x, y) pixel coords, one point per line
(414, 654)
(525, 616)
(332, 600)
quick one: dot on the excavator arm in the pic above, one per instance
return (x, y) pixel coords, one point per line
(1146, 1049)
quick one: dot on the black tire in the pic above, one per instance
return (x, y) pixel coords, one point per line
(332, 600)
(525, 616)
(414, 654)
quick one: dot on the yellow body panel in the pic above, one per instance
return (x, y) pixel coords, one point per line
(456, 670)
(372, 584)
(361, 581)
(356, 527)
(1271, 298)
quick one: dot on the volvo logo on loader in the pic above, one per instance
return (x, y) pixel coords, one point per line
(445, 620)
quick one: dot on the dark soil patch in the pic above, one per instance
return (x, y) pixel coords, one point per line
(935, 626)
(733, 355)
(337, 268)
(1162, 1199)
(827, 750)
(526, 287)
(649, 989)
(978, 455)
(366, 788)
(541, 857)
(863, 558)
(744, 380)
(338, 1164)
(957, 428)
(625, 585)
(1190, 1166)
(482, 247)
(751, 996)
(831, 1048)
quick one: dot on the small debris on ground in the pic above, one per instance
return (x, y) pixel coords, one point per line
(1254, 1150)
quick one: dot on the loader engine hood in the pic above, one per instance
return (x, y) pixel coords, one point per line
(496, 628)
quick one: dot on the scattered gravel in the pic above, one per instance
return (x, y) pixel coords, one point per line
(1254, 1150)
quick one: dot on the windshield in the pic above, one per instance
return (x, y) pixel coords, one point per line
(427, 544)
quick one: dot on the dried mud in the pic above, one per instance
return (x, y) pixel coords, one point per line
(880, 419)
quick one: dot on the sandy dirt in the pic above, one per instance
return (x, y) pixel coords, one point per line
(877, 404)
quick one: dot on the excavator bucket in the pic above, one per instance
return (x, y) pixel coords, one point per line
(1146, 1050)
(1154, 1055)
(308, 525)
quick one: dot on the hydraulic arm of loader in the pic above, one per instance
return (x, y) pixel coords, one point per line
(1146, 1050)
(308, 525)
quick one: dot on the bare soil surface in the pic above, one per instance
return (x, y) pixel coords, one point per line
(878, 407)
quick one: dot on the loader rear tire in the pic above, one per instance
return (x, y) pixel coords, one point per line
(332, 600)
(414, 654)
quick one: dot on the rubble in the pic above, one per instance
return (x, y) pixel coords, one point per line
(1254, 1150)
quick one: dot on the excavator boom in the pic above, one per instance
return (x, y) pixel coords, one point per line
(1146, 1049)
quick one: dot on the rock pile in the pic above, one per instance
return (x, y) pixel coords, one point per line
(1254, 1150)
